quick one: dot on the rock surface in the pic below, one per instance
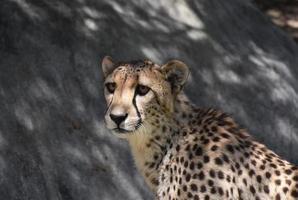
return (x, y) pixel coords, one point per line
(53, 144)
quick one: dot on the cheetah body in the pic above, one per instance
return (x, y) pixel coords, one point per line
(214, 159)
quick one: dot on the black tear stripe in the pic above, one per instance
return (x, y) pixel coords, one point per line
(125, 78)
(109, 105)
(136, 107)
(156, 96)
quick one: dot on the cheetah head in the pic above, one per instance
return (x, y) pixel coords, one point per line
(138, 91)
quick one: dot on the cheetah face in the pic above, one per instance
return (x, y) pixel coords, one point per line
(134, 89)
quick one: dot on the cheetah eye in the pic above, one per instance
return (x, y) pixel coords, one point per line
(111, 87)
(142, 90)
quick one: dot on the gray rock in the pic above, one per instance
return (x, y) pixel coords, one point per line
(53, 144)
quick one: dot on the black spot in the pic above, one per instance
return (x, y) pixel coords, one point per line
(210, 183)
(288, 171)
(199, 165)
(266, 189)
(213, 190)
(228, 178)
(151, 165)
(187, 178)
(178, 192)
(262, 167)
(259, 179)
(177, 148)
(192, 165)
(239, 193)
(253, 162)
(186, 164)
(214, 128)
(201, 175)
(278, 182)
(244, 181)
(218, 161)
(206, 141)
(225, 158)
(240, 172)
(268, 175)
(216, 139)
(184, 188)
(212, 173)
(214, 148)
(288, 182)
(251, 173)
(182, 159)
(246, 154)
(193, 187)
(285, 189)
(190, 156)
(199, 151)
(203, 189)
(273, 165)
(237, 165)
(220, 191)
(224, 135)
(187, 147)
(206, 159)
(294, 193)
(220, 175)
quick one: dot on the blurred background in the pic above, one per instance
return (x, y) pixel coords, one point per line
(53, 144)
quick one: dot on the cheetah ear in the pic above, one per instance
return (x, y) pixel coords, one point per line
(176, 73)
(107, 66)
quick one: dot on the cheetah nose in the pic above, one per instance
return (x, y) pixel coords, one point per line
(118, 118)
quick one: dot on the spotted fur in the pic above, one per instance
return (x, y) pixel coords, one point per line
(185, 152)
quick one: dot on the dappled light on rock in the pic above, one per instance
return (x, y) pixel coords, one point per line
(53, 141)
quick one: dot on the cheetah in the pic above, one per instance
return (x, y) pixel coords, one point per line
(185, 152)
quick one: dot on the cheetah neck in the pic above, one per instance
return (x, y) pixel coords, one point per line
(151, 142)
(183, 109)
(149, 146)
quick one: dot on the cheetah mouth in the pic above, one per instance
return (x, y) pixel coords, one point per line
(125, 131)
(121, 130)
